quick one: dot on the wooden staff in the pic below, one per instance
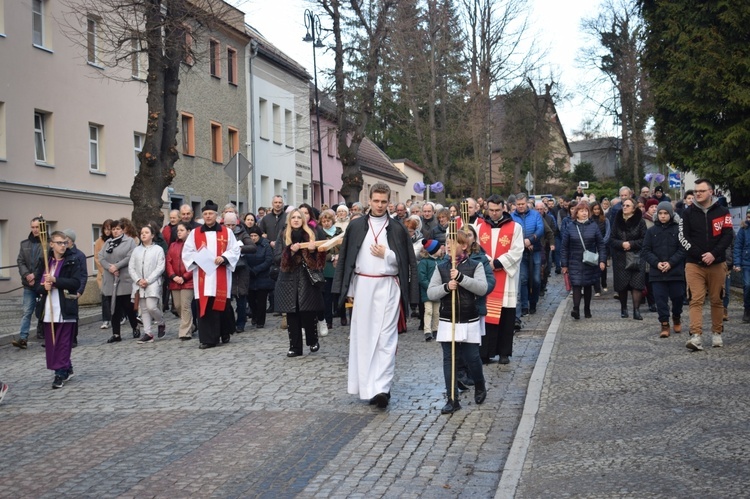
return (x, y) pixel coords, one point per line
(451, 238)
(464, 208)
(45, 251)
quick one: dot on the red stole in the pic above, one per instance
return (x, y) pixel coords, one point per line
(220, 300)
(504, 239)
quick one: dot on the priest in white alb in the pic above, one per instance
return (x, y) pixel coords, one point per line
(211, 253)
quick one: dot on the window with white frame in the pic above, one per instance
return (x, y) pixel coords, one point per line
(277, 124)
(3, 132)
(95, 132)
(138, 140)
(263, 118)
(138, 58)
(288, 128)
(37, 22)
(92, 40)
(40, 140)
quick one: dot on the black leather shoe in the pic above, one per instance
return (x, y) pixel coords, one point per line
(204, 346)
(451, 407)
(480, 393)
(114, 338)
(344, 322)
(575, 314)
(532, 310)
(587, 314)
(225, 339)
(136, 333)
(637, 315)
(292, 353)
(624, 314)
(315, 347)
(504, 359)
(381, 400)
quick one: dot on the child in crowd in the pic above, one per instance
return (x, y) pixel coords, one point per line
(431, 255)
(666, 256)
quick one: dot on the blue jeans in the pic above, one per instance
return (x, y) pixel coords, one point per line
(531, 266)
(746, 287)
(241, 312)
(556, 254)
(469, 352)
(664, 291)
(29, 301)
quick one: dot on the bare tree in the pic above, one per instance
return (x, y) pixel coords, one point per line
(164, 32)
(360, 29)
(619, 34)
(495, 30)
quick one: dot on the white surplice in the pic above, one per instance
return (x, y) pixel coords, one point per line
(374, 327)
(189, 257)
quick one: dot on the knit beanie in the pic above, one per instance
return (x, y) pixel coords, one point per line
(431, 246)
(666, 206)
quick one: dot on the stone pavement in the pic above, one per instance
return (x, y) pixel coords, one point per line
(243, 420)
(623, 413)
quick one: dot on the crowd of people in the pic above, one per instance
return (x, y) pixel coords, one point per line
(470, 287)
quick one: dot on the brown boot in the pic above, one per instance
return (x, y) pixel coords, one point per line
(677, 325)
(664, 330)
(726, 315)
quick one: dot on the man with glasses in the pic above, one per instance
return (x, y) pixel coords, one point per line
(59, 287)
(705, 232)
(28, 257)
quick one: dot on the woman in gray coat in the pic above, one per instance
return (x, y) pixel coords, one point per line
(117, 285)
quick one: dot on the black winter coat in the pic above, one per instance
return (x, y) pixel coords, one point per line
(399, 242)
(632, 230)
(259, 264)
(69, 280)
(293, 291)
(662, 244)
(571, 253)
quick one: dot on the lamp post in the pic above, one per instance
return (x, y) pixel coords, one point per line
(312, 25)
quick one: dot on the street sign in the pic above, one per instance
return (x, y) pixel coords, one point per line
(529, 183)
(675, 180)
(237, 168)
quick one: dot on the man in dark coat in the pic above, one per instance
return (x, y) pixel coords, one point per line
(28, 258)
(376, 271)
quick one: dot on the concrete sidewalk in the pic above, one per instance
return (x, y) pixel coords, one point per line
(623, 413)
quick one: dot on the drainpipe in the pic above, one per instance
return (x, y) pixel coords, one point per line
(252, 184)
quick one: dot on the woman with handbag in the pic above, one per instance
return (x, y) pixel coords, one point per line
(582, 257)
(117, 286)
(627, 268)
(300, 263)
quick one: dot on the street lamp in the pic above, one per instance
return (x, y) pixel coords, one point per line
(312, 25)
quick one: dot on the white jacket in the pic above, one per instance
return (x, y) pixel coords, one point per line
(147, 262)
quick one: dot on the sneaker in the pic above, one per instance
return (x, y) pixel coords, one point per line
(69, 375)
(695, 342)
(20, 343)
(57, 383)
(428, 337)
(139, 320)
(146, 338)
(716, 341)
(597, 294)
(604, 290)
(105, 325)
(3, 390)
(123, 320)
(322, 328)
(137, 332)
(162, 330)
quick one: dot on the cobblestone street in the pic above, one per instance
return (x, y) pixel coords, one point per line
(169, 420)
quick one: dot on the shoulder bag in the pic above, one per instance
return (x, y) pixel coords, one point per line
(589, 257)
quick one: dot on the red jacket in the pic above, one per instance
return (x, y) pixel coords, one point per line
(175, 267)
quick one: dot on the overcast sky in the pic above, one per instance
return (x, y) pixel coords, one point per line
(556, 24)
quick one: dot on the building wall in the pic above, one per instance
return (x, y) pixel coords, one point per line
(280, 169)
(413, 176)
(212, 101)
(55, 78)
(332, 167)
